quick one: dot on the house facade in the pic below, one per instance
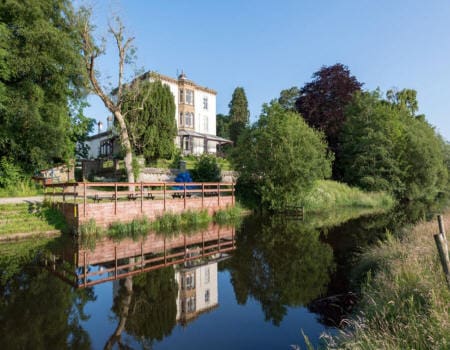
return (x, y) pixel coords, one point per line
(195, 116)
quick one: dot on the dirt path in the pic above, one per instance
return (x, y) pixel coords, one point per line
(18, 200)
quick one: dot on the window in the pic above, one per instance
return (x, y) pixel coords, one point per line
(207, 275)
(189, 119)
(191, 304)
(181, 119)
(207, 296)
(181, 96)
(189, 97)
(189, 282)
(205, 102)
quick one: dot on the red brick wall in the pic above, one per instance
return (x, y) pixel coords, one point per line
(104, 213)
(105, 249)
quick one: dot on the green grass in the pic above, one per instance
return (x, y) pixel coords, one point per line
(23, 188)
(405, 301)
(328, 194)
(30, 218)
(229, 215)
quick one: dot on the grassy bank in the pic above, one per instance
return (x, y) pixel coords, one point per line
(328, 194)
(30, 219)
(405, 302)
(24, 188)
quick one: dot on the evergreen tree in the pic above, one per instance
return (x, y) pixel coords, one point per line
(223, 126)
(149, 111)
(239, 114)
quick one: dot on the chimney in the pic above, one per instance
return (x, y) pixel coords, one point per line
(109, 122)
(100, 127)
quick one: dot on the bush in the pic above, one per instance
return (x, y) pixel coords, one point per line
(10, 174)
(207, 169)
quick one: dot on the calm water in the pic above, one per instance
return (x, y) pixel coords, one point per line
(257, 286)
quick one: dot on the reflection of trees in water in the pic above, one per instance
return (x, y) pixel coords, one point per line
(146, 307)
(280, 263)
(39, 311)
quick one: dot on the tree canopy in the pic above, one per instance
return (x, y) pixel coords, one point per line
(288, 98)
(323, 100)
(239, 114)
(149, 111)
(280, 157)
(386, 147)
(41, 83)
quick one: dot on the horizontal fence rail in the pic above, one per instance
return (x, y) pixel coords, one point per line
(82, 274)
(83, 193)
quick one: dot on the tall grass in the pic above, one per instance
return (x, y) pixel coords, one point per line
(229, 215)
(328, 194)
(405, 302)
(22, 188)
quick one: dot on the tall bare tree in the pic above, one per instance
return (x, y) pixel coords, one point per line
(91, 51)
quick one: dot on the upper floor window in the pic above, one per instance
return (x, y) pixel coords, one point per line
(181, 95)
(205, 102)
(189, 97)
(189, 119)
(207, 275)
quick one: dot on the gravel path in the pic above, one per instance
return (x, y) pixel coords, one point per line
(18, 200)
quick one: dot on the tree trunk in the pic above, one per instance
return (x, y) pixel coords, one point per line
(125, 141)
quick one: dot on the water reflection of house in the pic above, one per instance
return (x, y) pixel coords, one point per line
(197, 289)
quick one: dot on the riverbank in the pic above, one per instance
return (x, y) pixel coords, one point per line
(328, 194)
(405, 301)
(27, 220)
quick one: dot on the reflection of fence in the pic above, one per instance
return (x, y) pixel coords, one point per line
(108, 202)
(111, 260)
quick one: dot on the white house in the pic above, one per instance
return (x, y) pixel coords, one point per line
(195, 116)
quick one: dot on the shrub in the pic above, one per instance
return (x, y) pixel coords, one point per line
(207, 169)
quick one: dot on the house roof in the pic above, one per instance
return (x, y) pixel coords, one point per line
(203, 136)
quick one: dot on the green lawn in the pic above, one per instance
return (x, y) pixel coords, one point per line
(29, 218)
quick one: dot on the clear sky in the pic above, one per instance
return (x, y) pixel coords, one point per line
(267, 46)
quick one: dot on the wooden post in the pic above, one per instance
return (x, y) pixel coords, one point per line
(165, 259)
(84, 199)
(75, 194)
(64, 193)
(203, 244)
(142, 196)
(232, 192)
(142, 256)
(164, 198)
(203, 194)
(218, 194)
(115, 198)
(115, 260)
(218, 238)
(85, 270)
(440, 242)
(184, 195)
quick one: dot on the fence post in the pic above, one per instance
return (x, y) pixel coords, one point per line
(84, 199)
(442, 232)
(232, 192)
(184, 195)
(115, 198)
(441, 245)
(142, 196)
(203, 194)
(218, 194)
(164, 196)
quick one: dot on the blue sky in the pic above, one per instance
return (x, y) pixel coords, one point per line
(267, 46)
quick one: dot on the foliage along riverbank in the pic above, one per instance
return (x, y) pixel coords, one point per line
(328, 194)
(405, 302)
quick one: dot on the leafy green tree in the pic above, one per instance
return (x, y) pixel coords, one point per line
(280, 264)
(280, 157)
(288, 98)
(41, 83)
(239, 114)
(386, 147)
(149, 111)
(223, 126)
(207, 169)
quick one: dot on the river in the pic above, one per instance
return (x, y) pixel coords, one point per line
(259, 285)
